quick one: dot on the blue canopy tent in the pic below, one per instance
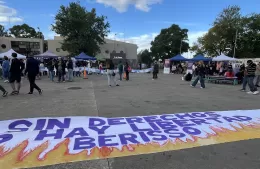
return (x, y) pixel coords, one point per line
(201, 58)
(83, 56)
(178, 58)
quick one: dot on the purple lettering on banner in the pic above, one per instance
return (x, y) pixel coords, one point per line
(184, 116)
(136, 129)
(151, 119)
(128, 138)
(5, 137)
(168, 117)
(44, 133)
(199, 121)
(183, 123)
(55, 122)
(173, 134)
(198, 114)
(134, 120)
(96, 122)
(99, 130)
(191, 131)
(214, 119)
(14, 126)
(166, 125)
(157, 135)
(116, 121)
(84, 143)
(144, 137)
(230, 119)
(212, 114)
(77, 132)
(243, 118)
(105, 141)
(154, 126)
(40, 124)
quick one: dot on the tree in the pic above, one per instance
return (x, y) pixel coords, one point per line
(145, 57)
(3, 32)
(231, 34)
(25, 31)
(83, 31)
(170, 42)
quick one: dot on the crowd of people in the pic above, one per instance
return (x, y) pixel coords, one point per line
(247, 74)
(13, 72)
(65, 70)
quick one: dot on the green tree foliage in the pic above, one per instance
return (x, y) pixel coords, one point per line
(231, 28)
(83, 31)
(3, 32)
(25, 31)
(168, 43)
(145, 57)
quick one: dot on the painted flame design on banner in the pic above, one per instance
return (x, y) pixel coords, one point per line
(17, 158)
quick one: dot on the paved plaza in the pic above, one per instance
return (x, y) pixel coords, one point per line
(141, 96)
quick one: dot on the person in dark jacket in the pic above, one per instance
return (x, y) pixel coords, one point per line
(32, 68)
(70, 70)
(61, 69)
(15, 74)
(120, 70)
(155, 70)
(50, 65)
(201, 75)
(250, 72)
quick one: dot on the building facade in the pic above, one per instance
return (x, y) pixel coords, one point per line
(24, 46)
(112, 49)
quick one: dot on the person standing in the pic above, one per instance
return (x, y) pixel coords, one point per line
(111, 75)
(32, 68)
(15, 74)
(257, 74)
(6, 68)
(127, 68)
(120, 70)
(70, 70)
(51, 69)
(250, 70)
(155, 70)
(201, 75)
(61, 70)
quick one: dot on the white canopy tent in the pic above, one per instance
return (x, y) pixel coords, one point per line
(223, 58)
(9, 54)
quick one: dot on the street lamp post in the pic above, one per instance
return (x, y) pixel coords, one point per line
(234, 54)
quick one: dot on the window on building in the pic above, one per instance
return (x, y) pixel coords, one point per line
(58, 49)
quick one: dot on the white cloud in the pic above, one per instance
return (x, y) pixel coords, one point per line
(144, 41)
(122, 5)
(8, 14)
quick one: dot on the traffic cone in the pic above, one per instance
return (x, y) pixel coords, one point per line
(85, 74)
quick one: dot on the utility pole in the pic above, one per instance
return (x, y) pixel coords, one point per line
(234, 54)
(115, 42)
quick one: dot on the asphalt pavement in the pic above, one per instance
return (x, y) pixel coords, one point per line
(141, 96)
